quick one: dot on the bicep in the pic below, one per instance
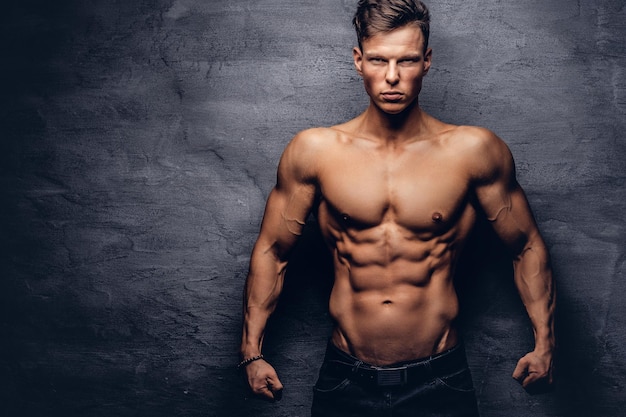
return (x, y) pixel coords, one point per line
(290, 202)
(508, 211)
(285, 214)
(503, 201)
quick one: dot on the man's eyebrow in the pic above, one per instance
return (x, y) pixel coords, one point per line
(374, 56)
(410, 55)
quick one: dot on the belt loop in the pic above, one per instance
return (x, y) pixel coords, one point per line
(356, 366)
(429, 366)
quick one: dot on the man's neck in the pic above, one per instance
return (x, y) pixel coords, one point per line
(394, 128)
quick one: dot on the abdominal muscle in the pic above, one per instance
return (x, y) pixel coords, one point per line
(396, 310)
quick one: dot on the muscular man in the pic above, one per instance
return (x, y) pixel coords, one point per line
(396, 193)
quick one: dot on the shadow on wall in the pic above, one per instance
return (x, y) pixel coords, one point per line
(296, 334)
(497, 332)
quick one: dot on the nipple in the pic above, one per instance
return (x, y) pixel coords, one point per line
(437, 217)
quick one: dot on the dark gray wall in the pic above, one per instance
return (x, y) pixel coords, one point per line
(139, 142)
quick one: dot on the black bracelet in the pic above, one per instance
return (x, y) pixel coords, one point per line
(248, 361)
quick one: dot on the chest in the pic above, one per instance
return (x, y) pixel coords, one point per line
(417, 190)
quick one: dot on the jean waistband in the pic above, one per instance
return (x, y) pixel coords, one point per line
(416, 371)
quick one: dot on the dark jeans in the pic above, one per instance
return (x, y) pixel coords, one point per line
(437, 386)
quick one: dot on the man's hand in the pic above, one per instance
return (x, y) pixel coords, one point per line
(263, 380)
(534, 372)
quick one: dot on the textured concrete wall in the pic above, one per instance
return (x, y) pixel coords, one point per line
(139, 142)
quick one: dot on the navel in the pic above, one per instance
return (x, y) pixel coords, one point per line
(345, 217)
(387, 302)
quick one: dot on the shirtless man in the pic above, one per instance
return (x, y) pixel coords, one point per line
(396, 194)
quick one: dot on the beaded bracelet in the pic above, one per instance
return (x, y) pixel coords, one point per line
(248, 361)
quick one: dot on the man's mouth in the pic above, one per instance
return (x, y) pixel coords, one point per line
(392, 95)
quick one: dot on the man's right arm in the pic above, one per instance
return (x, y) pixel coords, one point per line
(286, 211)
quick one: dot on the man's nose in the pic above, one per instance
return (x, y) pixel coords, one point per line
(392, 76)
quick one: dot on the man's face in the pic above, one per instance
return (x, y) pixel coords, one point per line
(392, 65)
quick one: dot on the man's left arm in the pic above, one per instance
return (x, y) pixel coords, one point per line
(507, 208)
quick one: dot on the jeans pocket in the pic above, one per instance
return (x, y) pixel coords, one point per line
(328, 385)
(460, 381)
(333, 397)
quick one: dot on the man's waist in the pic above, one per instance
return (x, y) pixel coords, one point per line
(407, 372)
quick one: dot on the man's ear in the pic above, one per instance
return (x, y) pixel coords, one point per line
(428, 57)
(358, 60)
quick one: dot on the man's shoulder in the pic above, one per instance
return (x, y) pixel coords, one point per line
(472, 138)
(314, 141)
(482, 152)
(303, 153)
(316, 136)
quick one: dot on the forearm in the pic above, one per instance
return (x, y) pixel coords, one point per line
(263, 287)
(533, 277)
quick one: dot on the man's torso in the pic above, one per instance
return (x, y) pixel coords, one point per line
(395, 217)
